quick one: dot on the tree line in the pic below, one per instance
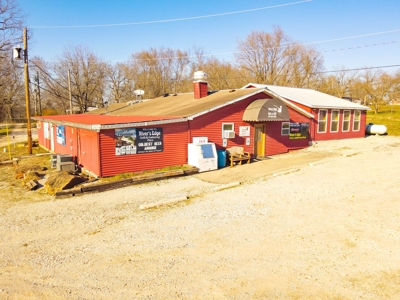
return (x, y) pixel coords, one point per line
(262, 57)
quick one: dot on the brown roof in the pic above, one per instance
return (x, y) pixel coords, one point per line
(180, 105)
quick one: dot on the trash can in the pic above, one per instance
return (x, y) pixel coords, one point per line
(221, 158)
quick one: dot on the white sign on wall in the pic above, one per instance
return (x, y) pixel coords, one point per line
(244, 130)
(46, 130)
(200, 140)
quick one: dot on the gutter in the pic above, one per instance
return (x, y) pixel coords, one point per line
(223, 105)
(98, 127)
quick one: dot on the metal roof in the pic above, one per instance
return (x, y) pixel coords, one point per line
(309, 97)
(97, 122)
(181, 105)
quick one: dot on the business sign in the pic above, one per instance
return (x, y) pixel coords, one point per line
(149, 140)
(61, 135)
(244, 130)
(298, 131)
(46, 131)
(125, 141)
(138, 140)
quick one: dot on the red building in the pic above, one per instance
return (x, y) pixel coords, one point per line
(155, 133)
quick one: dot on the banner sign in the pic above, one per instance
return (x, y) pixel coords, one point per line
(298, 131)
(125, 142)
(138, 140)
(149, 140)
(61, 135)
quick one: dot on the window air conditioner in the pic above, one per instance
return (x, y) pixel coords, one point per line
(229, 134)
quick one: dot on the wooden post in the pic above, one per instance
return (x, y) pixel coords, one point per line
(27, 96)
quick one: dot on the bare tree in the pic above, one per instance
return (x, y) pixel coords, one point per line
(87, 75)
(11, 81)
(274, 58)
(121, 88)
(159, 71)
(11, 91)
(339, 84)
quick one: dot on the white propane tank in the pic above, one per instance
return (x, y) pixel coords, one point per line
(376, 129)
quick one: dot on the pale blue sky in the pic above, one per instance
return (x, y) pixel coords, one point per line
(371, 28)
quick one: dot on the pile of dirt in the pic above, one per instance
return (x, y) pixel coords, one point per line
(62, 180)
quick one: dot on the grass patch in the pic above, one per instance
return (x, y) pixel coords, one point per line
(3, 129)
(389, 115)
(18, 150)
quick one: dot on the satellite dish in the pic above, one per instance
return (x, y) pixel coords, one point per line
(138, 92)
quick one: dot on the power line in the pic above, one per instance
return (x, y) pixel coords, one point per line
(172, 20)
(359, 47)
(359, 69)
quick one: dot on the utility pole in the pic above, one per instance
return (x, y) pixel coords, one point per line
(70, 94)
(27, 98)
(38, 93)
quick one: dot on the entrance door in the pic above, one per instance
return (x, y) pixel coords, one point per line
(259, 140)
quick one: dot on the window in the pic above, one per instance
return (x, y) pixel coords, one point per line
(285, 128)
(346, 121)
(334, 121)
(356, 120)
(228, 130)
(322, 115)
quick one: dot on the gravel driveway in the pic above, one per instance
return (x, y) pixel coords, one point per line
(320, 223)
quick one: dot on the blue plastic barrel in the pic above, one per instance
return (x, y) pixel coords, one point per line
(221, 158)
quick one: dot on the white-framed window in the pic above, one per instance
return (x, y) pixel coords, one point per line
(334, 121)
(228, 130)
(322, 119)
(346, 121)
(285, 128)
(356, 120)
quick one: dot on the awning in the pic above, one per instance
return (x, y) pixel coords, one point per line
(266, 110)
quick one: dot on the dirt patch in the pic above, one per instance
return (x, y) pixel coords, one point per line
(321, 223)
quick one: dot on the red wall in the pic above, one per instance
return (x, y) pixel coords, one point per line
(340, 134)
(276, 143)
(175, 140)
(88, 149)
(210, 125)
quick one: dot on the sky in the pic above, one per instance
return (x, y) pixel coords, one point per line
(350, 34)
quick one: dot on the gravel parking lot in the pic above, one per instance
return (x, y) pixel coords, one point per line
(320, 223)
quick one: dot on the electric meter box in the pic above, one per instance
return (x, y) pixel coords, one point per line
(203, 156)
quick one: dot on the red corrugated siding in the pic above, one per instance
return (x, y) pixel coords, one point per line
(210, 124)
(276, 143)
(306, 108)
(175, 140)
(88, 150)
(340, 134)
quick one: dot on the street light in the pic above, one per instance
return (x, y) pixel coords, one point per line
(17, 55)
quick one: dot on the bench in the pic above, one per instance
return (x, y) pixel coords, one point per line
(237, 155)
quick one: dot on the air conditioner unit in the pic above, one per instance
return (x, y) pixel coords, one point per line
(61, 158)
(229, 134)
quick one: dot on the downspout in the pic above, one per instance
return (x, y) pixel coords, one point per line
(189, 139)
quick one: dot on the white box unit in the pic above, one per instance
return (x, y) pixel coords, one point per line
(53, 161)
(64, 158)
(229, 134)
(66, 166)
(203, 156)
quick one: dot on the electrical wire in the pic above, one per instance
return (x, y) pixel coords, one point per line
(172, 20)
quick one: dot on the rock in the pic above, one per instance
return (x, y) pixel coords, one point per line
(62, 180)
(31, 185)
